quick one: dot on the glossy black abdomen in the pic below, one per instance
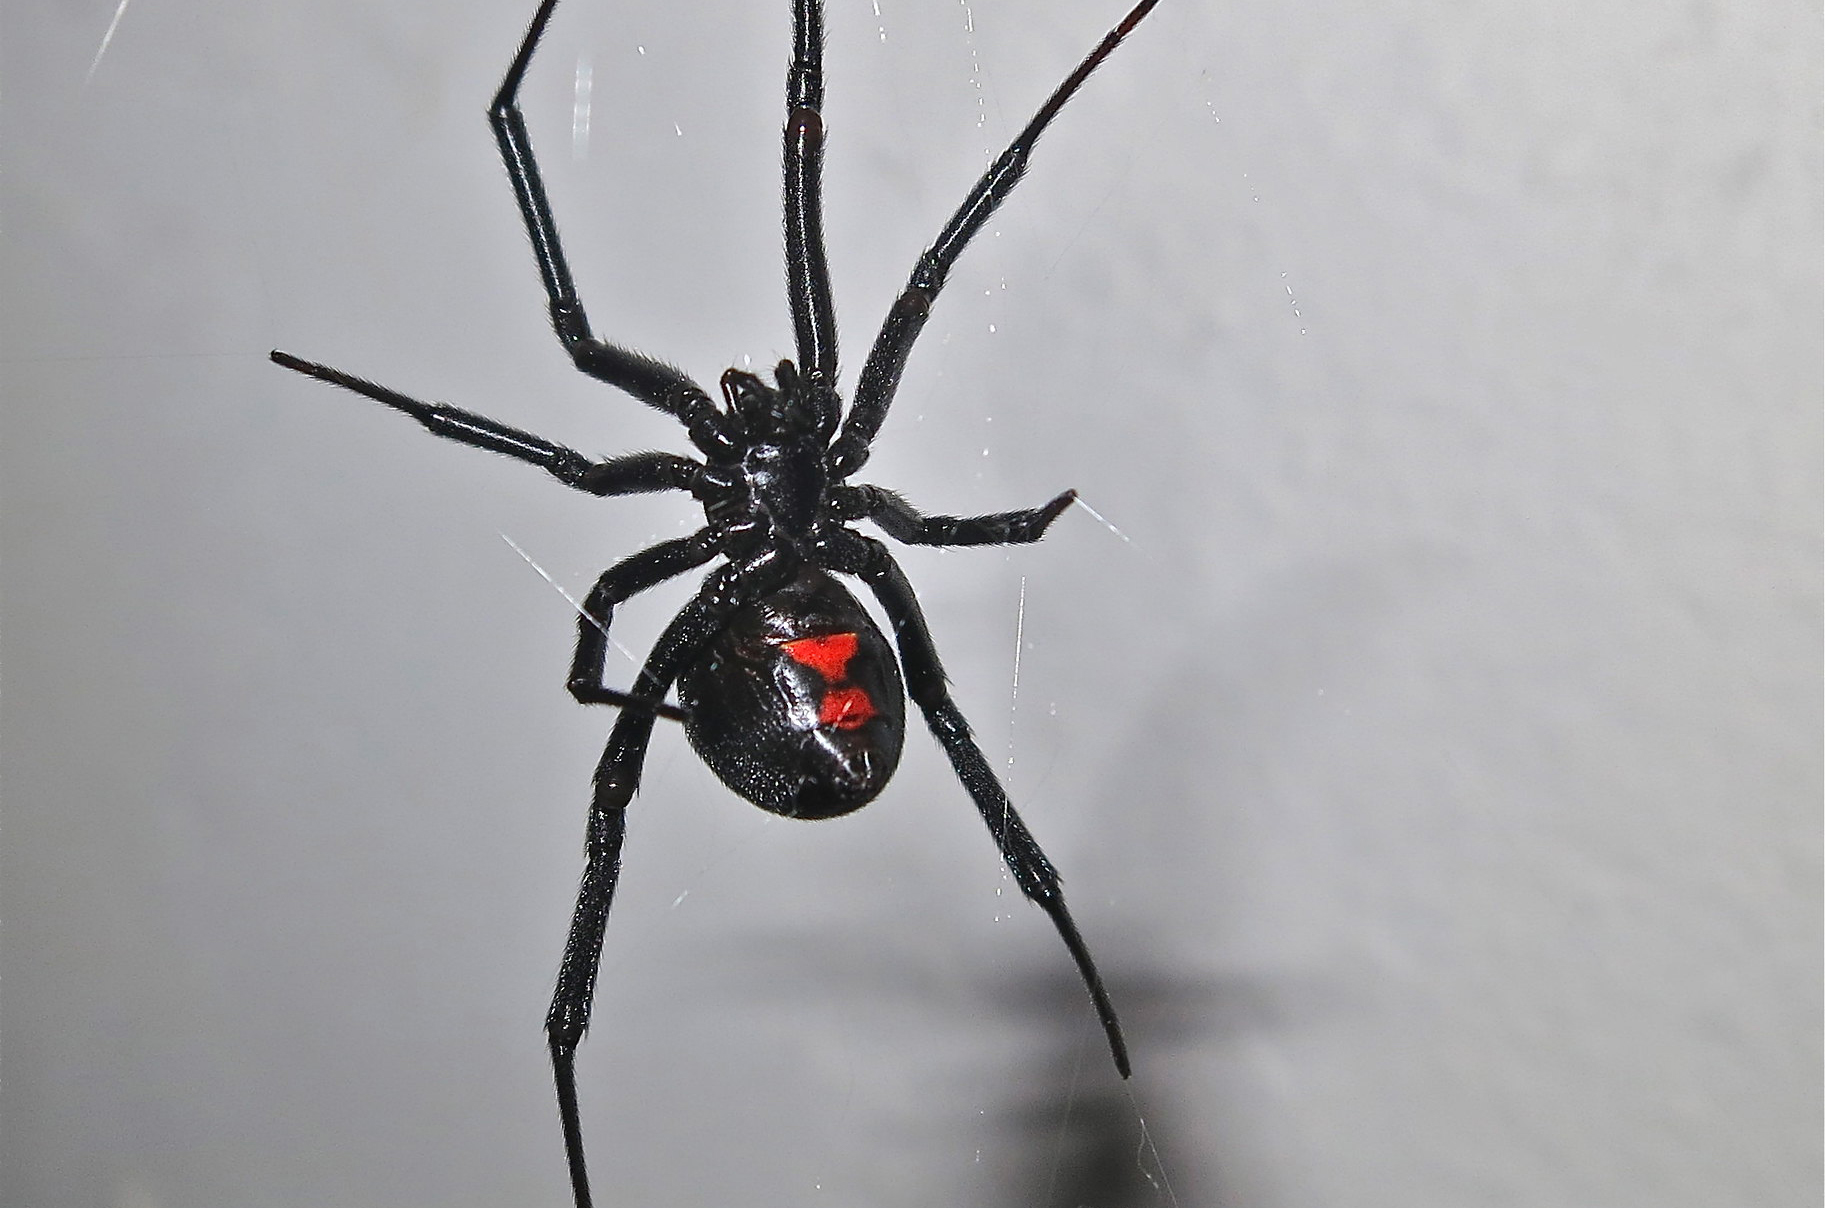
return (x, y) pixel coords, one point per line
(797, 703)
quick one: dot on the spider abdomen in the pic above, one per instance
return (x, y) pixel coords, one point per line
(797, 703)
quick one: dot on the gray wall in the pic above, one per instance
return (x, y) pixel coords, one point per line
(1433, 756)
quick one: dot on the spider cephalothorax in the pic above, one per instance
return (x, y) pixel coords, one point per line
(779, 453)
(787, 688)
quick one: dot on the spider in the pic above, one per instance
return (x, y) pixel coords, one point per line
(787, 689)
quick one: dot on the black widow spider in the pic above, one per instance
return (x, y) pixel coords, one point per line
(787, 689)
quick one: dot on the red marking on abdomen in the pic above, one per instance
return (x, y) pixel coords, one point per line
(828, 654)
(846, 708)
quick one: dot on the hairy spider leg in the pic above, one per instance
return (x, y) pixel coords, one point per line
(726, 589)
(634, 474)
(626, 578)
(874, 390)
(807, 270)
(651, 381)
(869, 561)
(907, 525)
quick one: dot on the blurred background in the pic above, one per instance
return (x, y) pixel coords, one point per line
(1430, 739)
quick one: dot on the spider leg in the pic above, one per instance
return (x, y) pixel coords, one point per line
(905, 523)
(881, 372)
(630, 475)
(617, 778)
(807, 272)
(626, 578)
(652, 382)
(925, 680)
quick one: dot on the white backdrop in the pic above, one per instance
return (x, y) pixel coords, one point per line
(1432, 755)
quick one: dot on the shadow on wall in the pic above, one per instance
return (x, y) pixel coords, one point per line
(1080, 1135)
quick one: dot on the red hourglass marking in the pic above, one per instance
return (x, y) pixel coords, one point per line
(843, 708)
